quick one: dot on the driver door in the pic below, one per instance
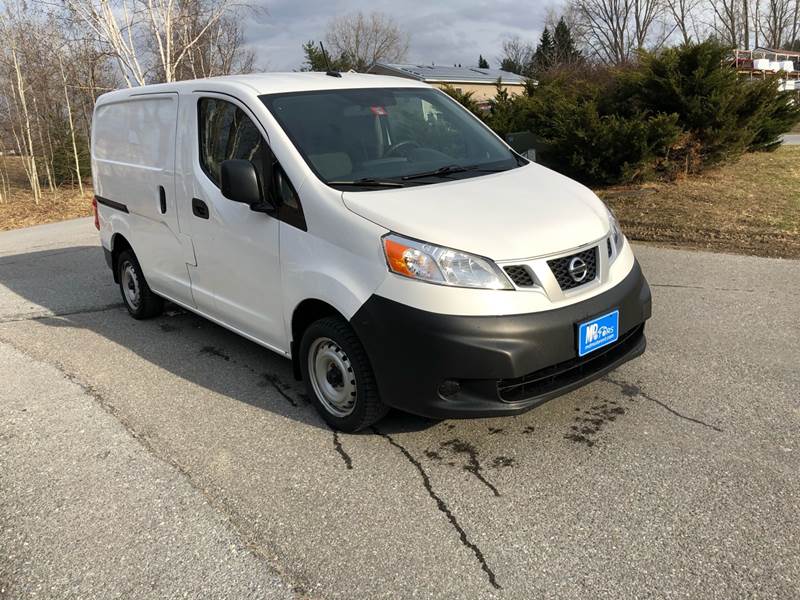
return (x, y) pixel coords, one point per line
(237, 279)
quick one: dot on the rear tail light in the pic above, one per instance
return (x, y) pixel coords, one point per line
(96, 216)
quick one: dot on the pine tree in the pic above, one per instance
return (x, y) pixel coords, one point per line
(316, 61)
(564, 49)
(482, 62)
(544, 56)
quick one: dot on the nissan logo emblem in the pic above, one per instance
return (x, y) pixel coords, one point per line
(578, 269)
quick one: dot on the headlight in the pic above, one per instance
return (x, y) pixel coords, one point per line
(445, 266)
(617, 236)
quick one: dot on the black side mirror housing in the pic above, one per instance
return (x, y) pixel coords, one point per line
(239, 182)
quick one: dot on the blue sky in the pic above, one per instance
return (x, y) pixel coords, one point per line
(442, 31)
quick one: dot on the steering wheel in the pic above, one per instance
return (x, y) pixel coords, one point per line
(396, 148)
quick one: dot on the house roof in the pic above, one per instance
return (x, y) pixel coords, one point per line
(444, 74)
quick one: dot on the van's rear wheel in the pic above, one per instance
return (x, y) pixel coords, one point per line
(139, 299)
(338, 376)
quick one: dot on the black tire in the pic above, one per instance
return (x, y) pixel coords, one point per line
(367, 407)
(148, 304)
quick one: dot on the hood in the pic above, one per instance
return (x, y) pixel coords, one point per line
(522, 213)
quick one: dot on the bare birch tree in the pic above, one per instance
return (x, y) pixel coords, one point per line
(58, 56)
(24, 136)
(170, 31)
(71, 126)
(5, 184)
(215, 50)
(178, 26)
(115, 25)
(45, 151)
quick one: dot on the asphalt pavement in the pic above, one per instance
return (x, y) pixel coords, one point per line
(171, 458)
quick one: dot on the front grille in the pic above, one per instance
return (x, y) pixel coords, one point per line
(520, 275)
(565, 373)
(560, 268)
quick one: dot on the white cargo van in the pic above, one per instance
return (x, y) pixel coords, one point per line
(371, 230)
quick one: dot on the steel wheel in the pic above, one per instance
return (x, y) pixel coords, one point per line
(332, 377)
(130, 285)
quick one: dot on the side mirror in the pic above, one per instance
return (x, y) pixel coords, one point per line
(240, 183)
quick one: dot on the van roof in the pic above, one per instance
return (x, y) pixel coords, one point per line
(271, 83)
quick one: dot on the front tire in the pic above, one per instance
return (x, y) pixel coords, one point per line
(339, 377)
(139, 299)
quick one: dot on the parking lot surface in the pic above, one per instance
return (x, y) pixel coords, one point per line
(171, 458)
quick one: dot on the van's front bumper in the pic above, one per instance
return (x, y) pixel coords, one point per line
(503, 365)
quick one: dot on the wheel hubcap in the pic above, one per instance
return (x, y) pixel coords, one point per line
(130, 285)
(332, 377)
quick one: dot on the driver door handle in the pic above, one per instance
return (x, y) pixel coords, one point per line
(199, 208)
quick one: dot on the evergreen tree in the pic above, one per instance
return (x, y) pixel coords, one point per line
(544, 56)
(465, 99)
(564, 49)
(482, 62)
(315, 59)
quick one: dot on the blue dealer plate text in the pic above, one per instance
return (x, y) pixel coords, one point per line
(598, 332)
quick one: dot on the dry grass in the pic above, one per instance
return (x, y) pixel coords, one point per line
(748, 207)
(19, 209)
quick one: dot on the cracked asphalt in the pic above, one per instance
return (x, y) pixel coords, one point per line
(170, 458)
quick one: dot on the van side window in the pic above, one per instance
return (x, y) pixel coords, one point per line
(226, 132)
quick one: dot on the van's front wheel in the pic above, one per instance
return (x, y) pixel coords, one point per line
(338, 376)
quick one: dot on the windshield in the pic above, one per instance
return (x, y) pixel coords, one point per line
(380, 137)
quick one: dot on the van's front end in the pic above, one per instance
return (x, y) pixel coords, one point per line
(527, 290)
(586, 317)
(504, 284)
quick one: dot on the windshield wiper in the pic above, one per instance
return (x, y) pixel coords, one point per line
(368, 182)
(449, 169)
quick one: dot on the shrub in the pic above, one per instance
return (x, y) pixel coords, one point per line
(583, 141)
(677, 111)
(726, 116)
(774, 113)
(504, 112)
(466, 99)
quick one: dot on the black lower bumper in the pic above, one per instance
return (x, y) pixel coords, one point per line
(501, 365)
